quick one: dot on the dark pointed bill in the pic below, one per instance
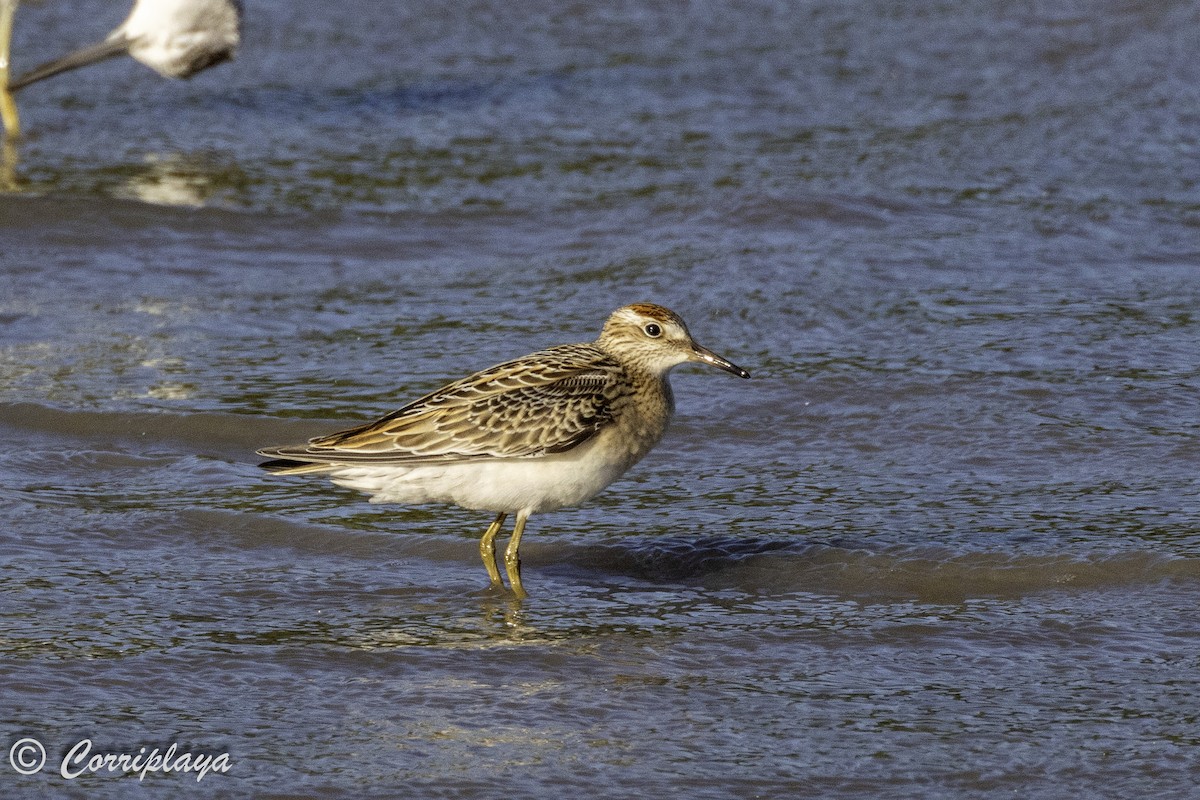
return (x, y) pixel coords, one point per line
(706, 356)
(109, 48)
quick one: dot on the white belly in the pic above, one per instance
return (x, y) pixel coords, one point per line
(530, 484)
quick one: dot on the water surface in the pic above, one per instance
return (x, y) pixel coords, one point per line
(944, 544)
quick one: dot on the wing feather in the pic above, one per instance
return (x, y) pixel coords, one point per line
(547, 402)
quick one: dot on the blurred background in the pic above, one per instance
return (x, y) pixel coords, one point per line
(943, 545)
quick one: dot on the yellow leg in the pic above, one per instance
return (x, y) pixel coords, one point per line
(8, 114)
(512, 561)
(8, 107)
(487, 548)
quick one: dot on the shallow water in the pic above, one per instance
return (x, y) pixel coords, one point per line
(945, 544)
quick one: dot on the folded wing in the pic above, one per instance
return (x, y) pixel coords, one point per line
(548, 402)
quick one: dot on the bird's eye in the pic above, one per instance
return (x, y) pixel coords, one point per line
(653, 330)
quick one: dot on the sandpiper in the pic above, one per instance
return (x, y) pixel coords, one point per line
(175, 38)
(534, 434)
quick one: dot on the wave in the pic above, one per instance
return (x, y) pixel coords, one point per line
(205, 431)
(165, 464)
(769, 564)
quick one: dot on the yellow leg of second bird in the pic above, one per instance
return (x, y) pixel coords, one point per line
(8, 113)
(8, 106)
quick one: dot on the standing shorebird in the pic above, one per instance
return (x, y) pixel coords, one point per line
(175, 38)
(535, 434)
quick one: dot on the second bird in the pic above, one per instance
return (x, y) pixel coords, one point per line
(175, 38)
